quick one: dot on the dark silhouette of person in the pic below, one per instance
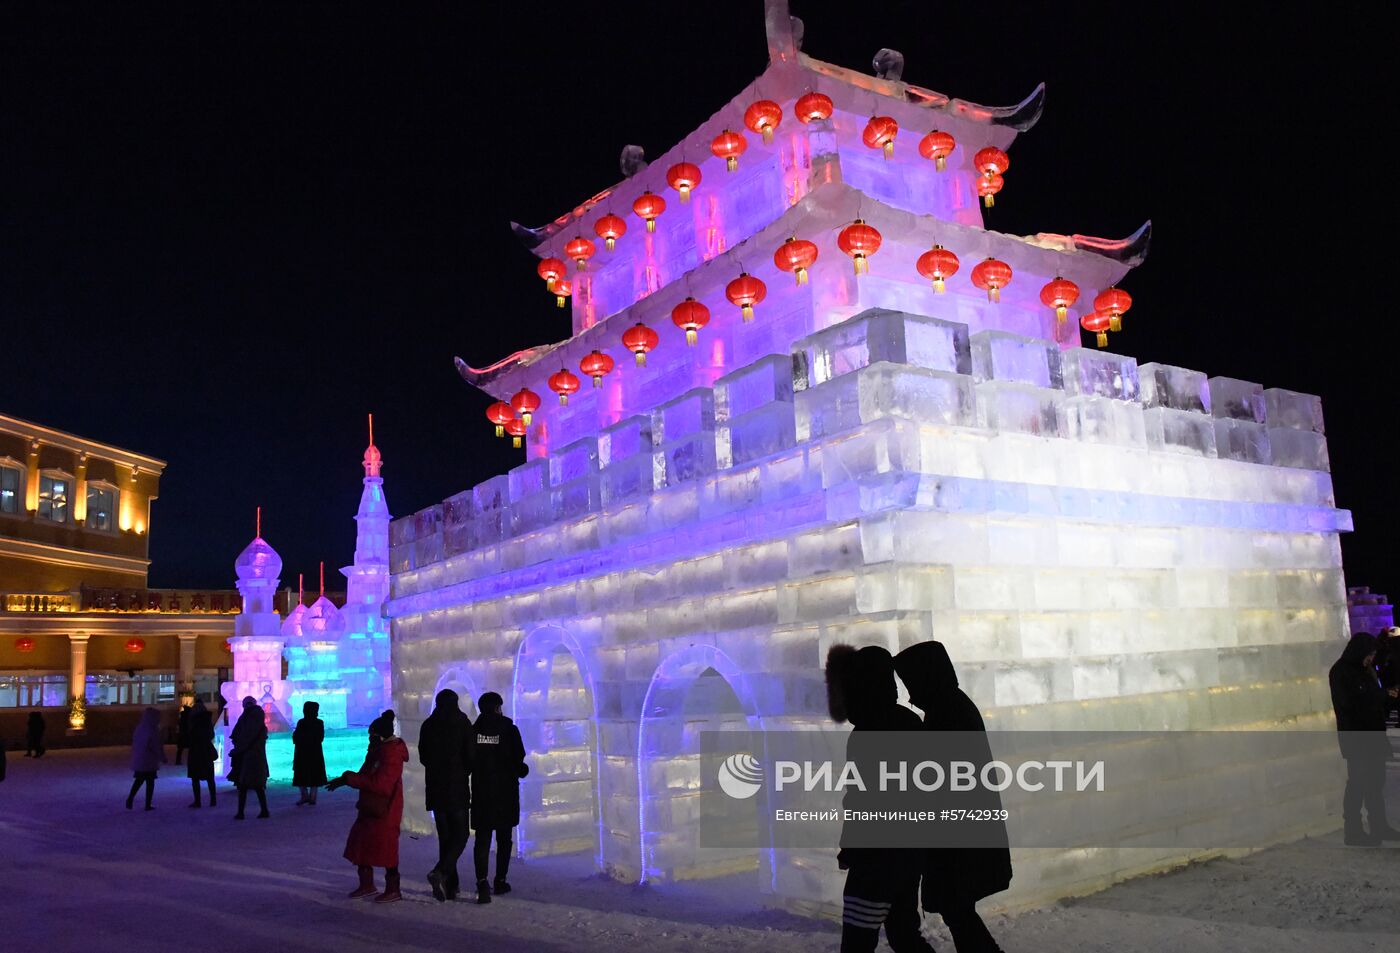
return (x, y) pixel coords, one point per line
(1388, 667)
(955, 878)
(308, 754)
(248, 760)
(497, 765)
(2, 757)
(199, 766)
(444, 749)
(374, 837)
(882, 883)
(1359, 703)
(34, 736)
(182, 733)
(147, 755)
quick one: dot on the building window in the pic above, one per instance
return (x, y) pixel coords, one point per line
(145, 688)
(101, 508)
(54, 489)
(33, 691)
(11, 486)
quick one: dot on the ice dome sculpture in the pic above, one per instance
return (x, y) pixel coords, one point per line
(322, 622)
(258, 561)
(292, 630)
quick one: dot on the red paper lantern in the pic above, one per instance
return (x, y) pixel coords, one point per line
(684, 177)
(746, 291)
(729, 146)
(1059, 294)
(991, 161)
(796, 256)
(987, 187)
(562, 289)
(991, 276)
(1097, 323)
(649, 207)
(596, 365)
(25, 644)
(811, 107)
(1114, 302)
(879, 134)
(580, 250)
(610, 228)
(937, 265)
(639, 340)
(938, 146)
(690, 316)
(500, 414)
(564, 383)
(860, 241)
(516, 429)
(525, 403)
(551, 270)
(135, 645)
(763, 118)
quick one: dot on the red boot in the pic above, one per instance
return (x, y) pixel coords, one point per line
(391, 887)
(366, 886)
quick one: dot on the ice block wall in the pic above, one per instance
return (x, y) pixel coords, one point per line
(1099, 544)
(1369, 611)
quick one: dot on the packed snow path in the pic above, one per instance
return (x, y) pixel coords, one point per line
(79, 872)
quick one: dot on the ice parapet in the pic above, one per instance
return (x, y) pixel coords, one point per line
(1010, 406)
(1000, 356)
(1175, 388)
(1288, 408)
(1242, 440)
(683, 438)
(1234, 399)
(573, 478)
(878, 334)
(1095, 419)
(1098, 373)
(754, 413)
(885, 390)
(1298, 448)
(624, 459)
(1179, 431)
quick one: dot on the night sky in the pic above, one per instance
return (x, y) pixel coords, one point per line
(230, 230)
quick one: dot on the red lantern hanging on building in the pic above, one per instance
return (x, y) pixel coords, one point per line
(684, 177)
(690, 316)
(763, 118)
(991, 161)
(938, 146)
(525, 403)
(860, 241)
(649, 207)
(991, 276)
(500, 414)
(564, 383)
(879, 134)
(135, 646)
(551, 270)
(938, 264)
(813, 106)
(516, 429)
(562, 289)
(745, 292)
(596, 365)
(796, 255)
(1060, 294)
(24, 645)
(639, 340)
(610, 228)
(729, 146)
(1115, 303)
(1097, 323)
(580, 250)
(987, 187)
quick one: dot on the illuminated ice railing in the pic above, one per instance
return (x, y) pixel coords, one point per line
(884, 393)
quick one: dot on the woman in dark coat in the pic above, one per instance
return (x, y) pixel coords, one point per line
(248, 760)
(1359, 703)
(954, 879)
(374, 837)
(201, 755)
(308, 758)
(34, 736)
(147, 755)
(498, 764)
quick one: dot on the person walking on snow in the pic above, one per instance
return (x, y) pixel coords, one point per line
(147, 755)
(199, 765)
(248, 760)
(497, 765)
(308, 757)
(444, 749)
(374, 837)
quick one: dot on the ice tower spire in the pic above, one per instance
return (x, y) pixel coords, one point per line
(373, 461)
(365, 653)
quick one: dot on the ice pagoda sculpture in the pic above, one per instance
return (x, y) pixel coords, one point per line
(1100, 544)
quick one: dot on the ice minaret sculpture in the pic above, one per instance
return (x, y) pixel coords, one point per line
(320, 675)
(365, 646)
(257, 635)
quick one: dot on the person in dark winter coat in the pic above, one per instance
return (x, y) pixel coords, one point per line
(147, 755)
(248, 760)
(444, 749)
(374, 837)
(2, 758)
(1360, 706)
(308, 756)
(34, 736)
(882, 884)
(497, 765)
(182, 733)
(199, 766)
(954, 879)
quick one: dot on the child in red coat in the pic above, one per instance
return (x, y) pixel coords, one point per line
(374, 837)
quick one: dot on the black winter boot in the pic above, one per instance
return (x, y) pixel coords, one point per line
(483, 892)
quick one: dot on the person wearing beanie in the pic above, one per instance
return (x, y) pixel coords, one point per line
(374, 837)
(497, 765)
(1359, 703)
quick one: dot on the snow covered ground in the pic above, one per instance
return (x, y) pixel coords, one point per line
(79, 872)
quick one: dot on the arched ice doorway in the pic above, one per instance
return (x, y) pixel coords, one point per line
(457, 679)
(697, 689)
(554, 704)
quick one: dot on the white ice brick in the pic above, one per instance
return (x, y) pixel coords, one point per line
(1000, 356)
(877, 335)
(1234, 399)
(1089, 372)
(689, 414)
(886, 390)
(1295, 411)
(1303, 449)
(624, 439)
(765, 381)
(528, 479)
(1176, 388)
(578, 459)
(1007, 406)
(1242, 440)
(758, 433)
(1179, 431)
(1094, 419)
